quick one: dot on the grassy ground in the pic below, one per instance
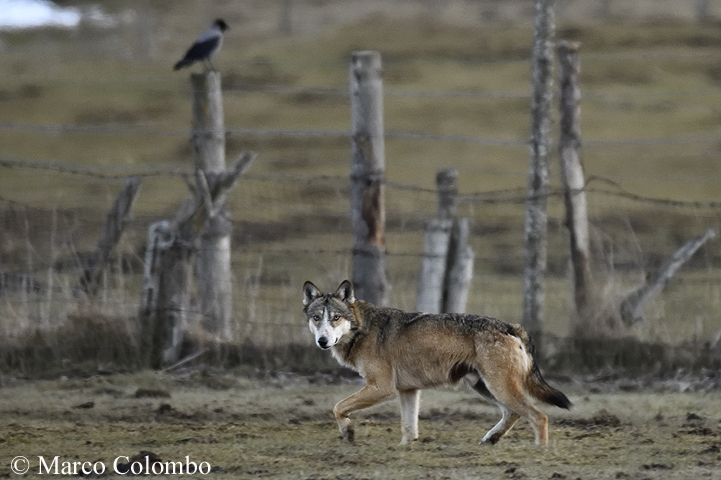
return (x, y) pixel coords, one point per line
(282, 427)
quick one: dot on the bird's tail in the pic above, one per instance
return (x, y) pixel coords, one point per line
(182, 63)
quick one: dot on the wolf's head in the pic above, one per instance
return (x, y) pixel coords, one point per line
(329, 315)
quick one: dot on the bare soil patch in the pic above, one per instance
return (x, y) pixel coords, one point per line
(281, 426)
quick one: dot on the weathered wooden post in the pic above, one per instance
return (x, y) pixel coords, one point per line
(447, 186)
(109, 238)
(535, 225)
(213, 254)
(459, 270)
(431, 283)
(367, 174)
(573, 187)
(447, 266)
(436, 244)
(167, 275)
(165, 297)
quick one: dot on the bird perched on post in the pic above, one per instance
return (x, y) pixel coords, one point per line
(207, 45)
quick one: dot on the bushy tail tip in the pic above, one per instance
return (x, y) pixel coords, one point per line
(542, 391)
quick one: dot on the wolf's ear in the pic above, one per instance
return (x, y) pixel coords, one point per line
(310, 293)
(345, 292)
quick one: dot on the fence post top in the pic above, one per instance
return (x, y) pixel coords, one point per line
(365, 54)
(365, 59)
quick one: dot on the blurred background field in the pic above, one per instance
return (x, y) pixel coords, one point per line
(83, 108)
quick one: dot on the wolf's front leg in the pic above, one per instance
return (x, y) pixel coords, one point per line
(410, 400)
(366, 397)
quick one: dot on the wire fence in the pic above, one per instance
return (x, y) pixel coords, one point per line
(290, 215)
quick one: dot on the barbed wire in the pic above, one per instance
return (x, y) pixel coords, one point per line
(505, 196)
(107, 172)
(130, 129)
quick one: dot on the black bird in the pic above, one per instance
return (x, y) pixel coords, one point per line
(207, 45)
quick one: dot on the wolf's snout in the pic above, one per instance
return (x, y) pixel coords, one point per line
(323, 342)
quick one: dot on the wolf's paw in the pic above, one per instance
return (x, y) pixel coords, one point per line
(408, 440)
(490, 440)
(348, 434)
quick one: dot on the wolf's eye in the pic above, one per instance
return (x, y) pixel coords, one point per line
(316, 318)
(336, 317)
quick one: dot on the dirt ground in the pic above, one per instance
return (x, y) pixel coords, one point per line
(243, 426)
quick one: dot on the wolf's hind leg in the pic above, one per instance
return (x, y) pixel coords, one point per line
(512, 400)
(508, 419)
(410, 400)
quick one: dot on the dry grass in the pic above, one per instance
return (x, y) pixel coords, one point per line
(649, 81)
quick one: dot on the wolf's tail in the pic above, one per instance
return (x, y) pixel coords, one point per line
(535, 383)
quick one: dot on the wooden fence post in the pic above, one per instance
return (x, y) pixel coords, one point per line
(573, 187)
(460, 269)
(431, 283)
(436, 244)
(165, 296)
(367, 176)
(109, 238)
(447, 186)
(535, 225)
(167, 274)
(447, 266)
(213, 254)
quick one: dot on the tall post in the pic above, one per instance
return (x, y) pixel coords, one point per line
(367, 174)
(535, 225)
(573, 180)
(213, 255)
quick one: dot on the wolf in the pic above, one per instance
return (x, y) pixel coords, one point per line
(399, 353)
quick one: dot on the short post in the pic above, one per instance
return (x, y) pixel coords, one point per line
(165, 296)
(447, 186)
(367, 174)
(573, 186)
(213, 254)
(535, 225)
(460, 269)
(447, 266)
(431, 283)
